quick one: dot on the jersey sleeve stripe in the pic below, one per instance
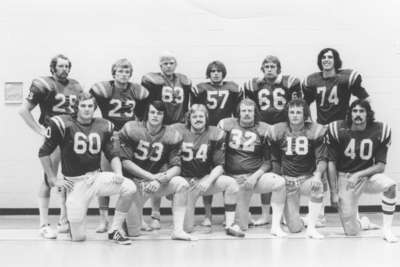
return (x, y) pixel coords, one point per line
(304, 82)
(148, 78)
(102, 89)
(291, 81)
(60, 124)
(144, 93)
(332, 130)
(195, 90)
(318, 131)
(352, 77)
(44, 82)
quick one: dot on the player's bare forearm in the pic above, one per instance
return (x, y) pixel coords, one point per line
(374, 169)
(170, 173)
(25, 113)
(333, 177)
(266, 166)
(215, 173)
(136, 171)
(116, 165)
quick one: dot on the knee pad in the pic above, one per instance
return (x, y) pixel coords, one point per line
(233, 188)
(128, 188)
(76, 212)
(294, 223)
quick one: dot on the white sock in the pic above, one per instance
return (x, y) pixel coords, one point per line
(119, 218)
(265, 210)
(103, 214)
(178, 217)
(313, 211)
(229, 218)
(277, 212)
(44, 210)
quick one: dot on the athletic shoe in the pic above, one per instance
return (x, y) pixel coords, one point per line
(234, 230)
(118, 238)
(46, 232)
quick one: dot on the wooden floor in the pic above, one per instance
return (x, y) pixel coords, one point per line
(20, 245)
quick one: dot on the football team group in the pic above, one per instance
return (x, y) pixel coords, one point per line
(167, 137)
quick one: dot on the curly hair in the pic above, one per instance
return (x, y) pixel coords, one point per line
(364, 104)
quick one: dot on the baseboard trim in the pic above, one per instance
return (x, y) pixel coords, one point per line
(168, 211)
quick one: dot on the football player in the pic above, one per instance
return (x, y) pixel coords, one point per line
(359, 146)
(221, 98)
(174, 90)
(146, 147)
(203, 160)
(55, 95)
(81, 139)
(271, 93)
(117, 100)
(248, 160)
(331, 89)
(298, 145)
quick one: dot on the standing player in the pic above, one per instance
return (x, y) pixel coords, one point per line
(271, 93)
(331, 89)
(247, 160)
(81, 140)
(298, 145)
(359, 146)
(221, 98)
(174, 90)
(55, 95)
(145, 147)
(203, 160)
(117, 101)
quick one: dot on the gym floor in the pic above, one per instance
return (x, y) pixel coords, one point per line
(21, 245)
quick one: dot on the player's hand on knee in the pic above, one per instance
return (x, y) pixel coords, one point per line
(352, 180)
(249, 183)
(63, 183)
(316, 184)
(152, 186)
(202, 186)
(118, 179)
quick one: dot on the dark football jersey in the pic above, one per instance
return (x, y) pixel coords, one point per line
(220, 100)
(332, 95)
(271, 98)
(150, 152)
(298, 151)
(357, 150)
(80, 144)
(53, 97)
(118, 105)
(175, 94)
(201, 152)
(246, 149)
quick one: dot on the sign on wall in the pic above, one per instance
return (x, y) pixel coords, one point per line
(13, 93)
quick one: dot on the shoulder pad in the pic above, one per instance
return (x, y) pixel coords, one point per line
(62, 122)
(153, 78)
(231, 86)
(312, 78)
(43, 83)
(108, 125)
(216, 133)
(277, 130)
(103, 89)
(251, 85)
(350, 75)
(184, 79)
(262, 128)
(172, 136)
(133, 130)
(317, 130)
(139, 91)
(227, 124)
(289, 81)
(178, 126)
(201, 87)
(385, 131)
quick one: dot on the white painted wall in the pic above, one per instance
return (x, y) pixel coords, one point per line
(240, 33)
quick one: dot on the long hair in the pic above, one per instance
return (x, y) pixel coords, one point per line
(297, 102)
(249, 102)
(157, 104)
(82, 97)
(364, 104)
(274, 60)
(121, 63)
(53, 62)
(337, 62)
(193, 109)
(218, 65)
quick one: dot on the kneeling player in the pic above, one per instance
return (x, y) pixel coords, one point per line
(203, 158)
(359, 146)
(247, 160)
(145, 147)
(297, 144)
(81, 140)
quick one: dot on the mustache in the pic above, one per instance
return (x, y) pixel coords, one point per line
(358, 118)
